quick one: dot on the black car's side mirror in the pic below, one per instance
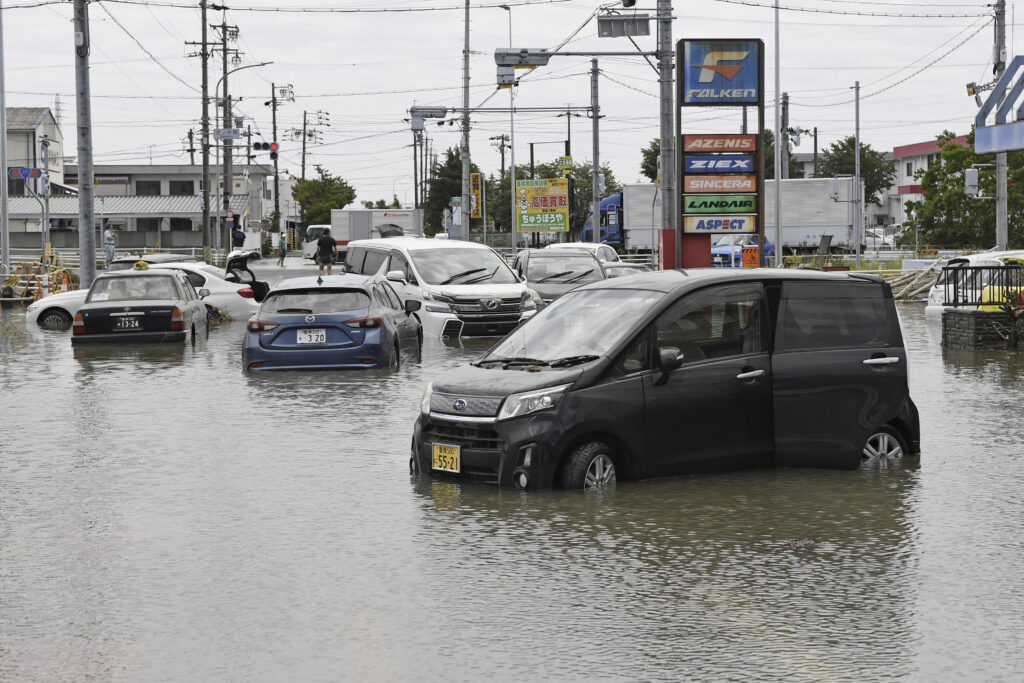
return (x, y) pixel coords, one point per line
(411, 306)
(669, 358)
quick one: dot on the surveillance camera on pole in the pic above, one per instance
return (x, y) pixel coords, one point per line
(521, 58)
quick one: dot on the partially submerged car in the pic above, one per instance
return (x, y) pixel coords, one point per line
(554, 272)
(679, 371)
(985, 261)
(141, 305)
(335, 322)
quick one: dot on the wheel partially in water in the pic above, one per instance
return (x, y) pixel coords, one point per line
(590, 467)
(883, 447)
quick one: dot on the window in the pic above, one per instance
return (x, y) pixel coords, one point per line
(182, 187)
(635, 357)
(374, 260)
(181, 225)
(834, 317)
(151, 224)
(316, 301)
(714, 323)
(16, 187)
(910, 169)
(396, 302)
(147, 187)
(190, 291)
(195, 278)
(354, 259)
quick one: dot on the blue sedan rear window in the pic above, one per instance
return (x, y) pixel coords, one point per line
(316, 301)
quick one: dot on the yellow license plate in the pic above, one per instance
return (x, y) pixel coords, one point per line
(447, 458)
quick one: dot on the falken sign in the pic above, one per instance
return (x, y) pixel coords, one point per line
(720, 203)
(719, 163)
(721, 72)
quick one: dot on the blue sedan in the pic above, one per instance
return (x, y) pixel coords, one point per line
(333, 322)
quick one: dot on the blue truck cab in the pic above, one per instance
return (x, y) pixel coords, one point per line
(611, 223)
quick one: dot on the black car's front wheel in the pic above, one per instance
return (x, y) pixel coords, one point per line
(590, 466)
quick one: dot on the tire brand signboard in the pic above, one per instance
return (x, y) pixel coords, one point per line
(720, 203)
(719, 183)
(715, 225)
(542, 205)
(726, 142)
(719, 163)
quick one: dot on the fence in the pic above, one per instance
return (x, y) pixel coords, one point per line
(72, 258)
(980, 285)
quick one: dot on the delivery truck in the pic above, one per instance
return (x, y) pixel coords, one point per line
(360, 224)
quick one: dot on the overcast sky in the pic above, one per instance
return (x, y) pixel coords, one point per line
(366, 69)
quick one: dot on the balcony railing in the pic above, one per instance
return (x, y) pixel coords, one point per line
(981, 285)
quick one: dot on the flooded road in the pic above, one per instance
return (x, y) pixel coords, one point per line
(164, 516)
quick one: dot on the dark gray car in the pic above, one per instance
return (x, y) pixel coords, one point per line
(680, 371)
(554, 272)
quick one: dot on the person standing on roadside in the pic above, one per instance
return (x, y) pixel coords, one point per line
(282, 248)
(238, 238)
(109, 244)
(326, 251)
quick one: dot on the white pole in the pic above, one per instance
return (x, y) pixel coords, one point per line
(86, 206)
(465, 211)
(858, 199)
(595, 219)
(5, 233)
(778, 150)
(512, 142)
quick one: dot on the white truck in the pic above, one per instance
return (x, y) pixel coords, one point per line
(809, 212)
(630, 219)
(360, 224)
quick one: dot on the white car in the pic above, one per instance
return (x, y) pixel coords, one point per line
(937, 294)
(467, 289)
(603, 252)
(228, 292)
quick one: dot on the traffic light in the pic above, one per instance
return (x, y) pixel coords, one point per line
(267, 147)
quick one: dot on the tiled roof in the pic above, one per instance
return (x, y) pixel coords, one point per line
(919, 148)
(136, 206)
(25, 118)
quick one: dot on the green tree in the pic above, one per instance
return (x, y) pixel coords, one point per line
(499, 201)
(445, 184)
(383, 204)
(947, 217)
(769, 159)
(317, 196)
(649, 159)
(877, 171)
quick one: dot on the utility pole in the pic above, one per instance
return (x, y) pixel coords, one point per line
(857, 207)
(464, 211)
(666, 73)
(783, 146)
(86, 210)
(815, 152)
(277, 181)
(502, 143)
(191, 148)
(777, 160)
(415, 171)
(999, 64)
(595, 220)
(227, 33)
(5, 232)
(45, 146)
(204, 56)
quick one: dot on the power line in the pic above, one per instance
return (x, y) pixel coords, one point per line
(151, 55)
(813, 10)
(337, 10)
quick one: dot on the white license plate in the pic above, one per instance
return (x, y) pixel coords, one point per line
(127, 323)
(315, 335)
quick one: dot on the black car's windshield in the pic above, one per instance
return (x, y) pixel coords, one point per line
(139, 287)
(569, 269)
(586, 323)
(316, 301)
(454, 266)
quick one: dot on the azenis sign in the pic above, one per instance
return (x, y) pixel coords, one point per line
(720, 143)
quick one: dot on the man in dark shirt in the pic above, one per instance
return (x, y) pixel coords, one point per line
(238, 238)
(326, 251)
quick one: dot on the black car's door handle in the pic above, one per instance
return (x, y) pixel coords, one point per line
(753, 374)
(885, 360)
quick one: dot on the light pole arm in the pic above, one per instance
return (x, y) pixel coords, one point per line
(247, 66)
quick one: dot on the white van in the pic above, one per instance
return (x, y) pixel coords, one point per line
(466, 289)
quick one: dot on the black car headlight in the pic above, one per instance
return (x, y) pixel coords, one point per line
(529, 402)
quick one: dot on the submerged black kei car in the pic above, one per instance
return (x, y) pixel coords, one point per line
(679, 371)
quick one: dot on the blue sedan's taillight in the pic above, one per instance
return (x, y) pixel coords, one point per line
(255, 325)
(368, 321)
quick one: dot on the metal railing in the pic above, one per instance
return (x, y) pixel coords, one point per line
(981, 285)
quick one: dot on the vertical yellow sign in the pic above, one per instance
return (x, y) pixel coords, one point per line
(476, 192)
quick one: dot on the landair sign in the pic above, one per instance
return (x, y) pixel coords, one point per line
(720, 203)
(721, 72)
(712, 225)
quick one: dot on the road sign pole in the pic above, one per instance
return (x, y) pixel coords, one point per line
(45, 144)
(5, 234)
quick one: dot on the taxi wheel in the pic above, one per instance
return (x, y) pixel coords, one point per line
(590, 466)
(884, 446)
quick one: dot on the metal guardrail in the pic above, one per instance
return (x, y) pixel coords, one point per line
(981, 285)
(72, 258)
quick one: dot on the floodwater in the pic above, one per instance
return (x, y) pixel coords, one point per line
(164, 516)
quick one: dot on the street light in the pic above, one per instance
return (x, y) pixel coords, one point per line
(511, 140)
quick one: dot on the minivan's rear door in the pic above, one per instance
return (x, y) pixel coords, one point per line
(839, 370)
(714, 411)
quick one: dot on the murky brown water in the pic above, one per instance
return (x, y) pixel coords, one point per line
(164, 516)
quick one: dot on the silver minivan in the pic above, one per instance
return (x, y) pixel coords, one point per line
(466, 288)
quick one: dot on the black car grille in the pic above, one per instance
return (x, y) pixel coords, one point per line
(481, 406)
(470, 438)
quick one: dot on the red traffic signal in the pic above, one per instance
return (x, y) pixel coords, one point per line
(273, 146)
(267, 147)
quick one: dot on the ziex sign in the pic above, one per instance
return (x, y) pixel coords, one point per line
(721, 72)
(719, 163)
(702, 225)
(720, 203)
(719, 183)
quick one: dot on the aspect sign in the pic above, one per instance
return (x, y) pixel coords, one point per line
(714, 225)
